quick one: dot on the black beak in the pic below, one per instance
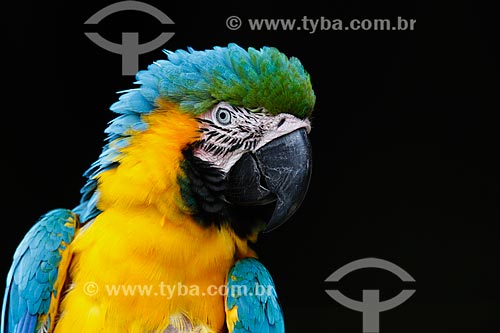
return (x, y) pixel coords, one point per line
(278, 172)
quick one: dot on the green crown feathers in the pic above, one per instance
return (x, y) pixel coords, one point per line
(197, 80)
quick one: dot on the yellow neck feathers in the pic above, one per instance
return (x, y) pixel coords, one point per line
(146, 237)
(150, 165)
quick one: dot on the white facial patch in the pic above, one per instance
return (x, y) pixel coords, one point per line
(229, 132)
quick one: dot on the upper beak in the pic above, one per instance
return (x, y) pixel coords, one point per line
(278, 172)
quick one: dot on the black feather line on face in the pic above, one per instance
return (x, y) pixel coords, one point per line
(202, 190)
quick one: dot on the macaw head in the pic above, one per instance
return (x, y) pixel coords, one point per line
(220, 135)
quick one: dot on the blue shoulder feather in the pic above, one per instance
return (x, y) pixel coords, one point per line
(34, 271)
(251, 290)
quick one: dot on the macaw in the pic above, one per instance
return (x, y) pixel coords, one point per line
(210, 150)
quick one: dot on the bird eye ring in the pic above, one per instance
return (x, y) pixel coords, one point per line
(223, 116)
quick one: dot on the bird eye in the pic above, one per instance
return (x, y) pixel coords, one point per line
(223, 116)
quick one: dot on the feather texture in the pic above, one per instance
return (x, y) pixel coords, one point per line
(197, 80)
(252, 304)
(34, 282)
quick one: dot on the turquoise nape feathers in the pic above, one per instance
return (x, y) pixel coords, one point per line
(210, 150)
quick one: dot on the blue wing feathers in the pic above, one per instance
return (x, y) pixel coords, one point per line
(251, 289)
(27, 323)
(34, 271)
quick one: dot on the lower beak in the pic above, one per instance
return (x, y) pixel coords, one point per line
(278, 172)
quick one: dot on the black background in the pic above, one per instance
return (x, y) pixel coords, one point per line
(405, 146)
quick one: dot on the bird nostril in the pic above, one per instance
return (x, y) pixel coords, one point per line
(282, 121)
